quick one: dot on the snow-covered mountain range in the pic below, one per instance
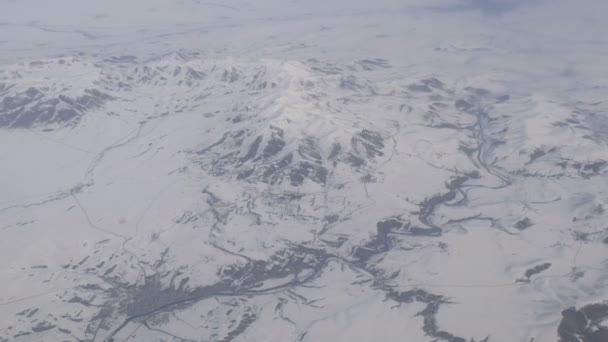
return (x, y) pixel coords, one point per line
(183, 198)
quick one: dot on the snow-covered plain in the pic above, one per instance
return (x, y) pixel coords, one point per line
(344, 171)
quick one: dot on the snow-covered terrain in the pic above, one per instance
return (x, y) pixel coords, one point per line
(275, 195)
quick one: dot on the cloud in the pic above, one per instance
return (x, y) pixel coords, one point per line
(487, 7)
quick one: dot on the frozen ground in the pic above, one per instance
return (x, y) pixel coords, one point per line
(343, 171)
